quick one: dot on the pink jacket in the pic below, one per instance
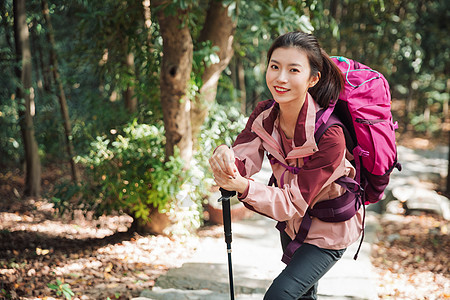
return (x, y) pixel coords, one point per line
(314, 182)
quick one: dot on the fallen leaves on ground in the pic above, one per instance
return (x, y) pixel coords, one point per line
(96, 258)
(411, 257)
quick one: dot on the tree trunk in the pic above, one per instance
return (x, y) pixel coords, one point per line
(219, 29)
(46, 75)
(242, 89)
(129, 95)
(34, 44)
(61, 94)
(25, 92)
(448, 168)
(445, 104)
(147, 21)
(175, 74)
(426, 119)
(409, 107)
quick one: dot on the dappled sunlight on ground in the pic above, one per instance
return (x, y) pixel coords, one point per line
(97, 258)
(77, 228)
(411, 257)
(417, 285)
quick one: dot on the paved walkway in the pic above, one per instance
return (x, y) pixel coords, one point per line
(256, 254)
(256, 257)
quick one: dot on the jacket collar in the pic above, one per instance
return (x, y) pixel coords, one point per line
(267, 123)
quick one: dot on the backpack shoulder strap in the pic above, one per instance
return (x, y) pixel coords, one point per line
(333, 120)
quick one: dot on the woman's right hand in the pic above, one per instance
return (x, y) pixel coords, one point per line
(222, 161)
(225, 171)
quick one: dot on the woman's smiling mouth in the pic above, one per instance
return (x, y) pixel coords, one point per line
(280, 90)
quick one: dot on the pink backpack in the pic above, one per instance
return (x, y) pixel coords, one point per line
(364, 107)
(363, 110)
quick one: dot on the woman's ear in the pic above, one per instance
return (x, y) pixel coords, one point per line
(314, 80)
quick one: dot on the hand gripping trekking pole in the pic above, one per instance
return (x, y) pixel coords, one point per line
(226, 213)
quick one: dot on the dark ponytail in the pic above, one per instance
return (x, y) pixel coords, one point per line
(331, 82)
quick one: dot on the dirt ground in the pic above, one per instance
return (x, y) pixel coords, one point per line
(411, 257)
(96, 258)
(100, 259)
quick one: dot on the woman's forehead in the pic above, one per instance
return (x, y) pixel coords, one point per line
(290, 55)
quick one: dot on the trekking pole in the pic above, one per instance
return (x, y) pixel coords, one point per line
(226, 214)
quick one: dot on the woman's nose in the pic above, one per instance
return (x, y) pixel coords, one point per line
(282, 77)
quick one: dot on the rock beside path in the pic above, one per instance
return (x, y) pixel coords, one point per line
(413, 189)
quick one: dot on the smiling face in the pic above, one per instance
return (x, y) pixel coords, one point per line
(288, 76)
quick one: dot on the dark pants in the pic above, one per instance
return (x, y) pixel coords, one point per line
(299, 280)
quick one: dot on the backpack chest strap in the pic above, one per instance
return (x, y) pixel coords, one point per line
(292, 169)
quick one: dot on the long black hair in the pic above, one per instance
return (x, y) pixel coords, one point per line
(331, 81)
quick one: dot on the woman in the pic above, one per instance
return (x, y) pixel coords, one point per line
(302, 80)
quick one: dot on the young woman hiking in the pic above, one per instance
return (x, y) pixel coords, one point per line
(302, 80)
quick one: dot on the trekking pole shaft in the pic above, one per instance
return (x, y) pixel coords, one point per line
(230, 272)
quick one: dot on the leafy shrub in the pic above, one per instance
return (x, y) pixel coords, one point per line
(11, 149)
(432, 126)
(222, 126)
(126, 172)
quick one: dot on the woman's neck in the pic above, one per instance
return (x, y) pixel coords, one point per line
(288, 117)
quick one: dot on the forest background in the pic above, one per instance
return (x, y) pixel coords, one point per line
(112, 108)
(124, 101)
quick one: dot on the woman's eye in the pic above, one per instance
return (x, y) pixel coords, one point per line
(295, 70)
(275, 67)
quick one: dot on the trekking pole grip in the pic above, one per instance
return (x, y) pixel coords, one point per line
(226, 213)
(226, 194)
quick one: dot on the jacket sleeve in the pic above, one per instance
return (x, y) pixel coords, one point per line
(248, 145)
(298, 193)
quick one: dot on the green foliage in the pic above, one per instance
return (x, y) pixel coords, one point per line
(116, 296)
(256, 29)
(10, 137)
(204, 55)
(222, 126)
(423, 125)
(4, 294)
(406, 41)
(172, 7)
(108, 32)
(61, 289)
(287, 19)
(94, 118)
(126, 172)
